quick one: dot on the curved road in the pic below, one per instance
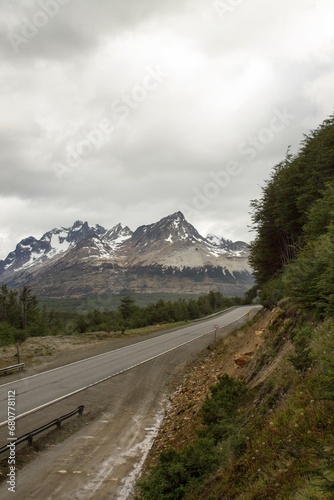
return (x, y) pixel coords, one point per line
(38, 391)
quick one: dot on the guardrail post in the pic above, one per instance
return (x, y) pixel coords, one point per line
(18, 354)
(58, 424)
(30, 438)
(81, 409)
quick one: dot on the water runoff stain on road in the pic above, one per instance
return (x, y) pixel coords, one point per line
(134, 452)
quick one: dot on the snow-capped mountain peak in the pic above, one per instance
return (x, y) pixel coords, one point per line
(117, 235)
(171, 229)
(213, 239)
(53, 243)
(220, 244)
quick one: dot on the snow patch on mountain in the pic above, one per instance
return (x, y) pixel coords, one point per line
(59, 243)
(116, 236)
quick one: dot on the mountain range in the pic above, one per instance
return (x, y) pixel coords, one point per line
(166, 256)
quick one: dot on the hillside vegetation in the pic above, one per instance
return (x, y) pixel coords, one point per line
(292, 254)
(268, 432)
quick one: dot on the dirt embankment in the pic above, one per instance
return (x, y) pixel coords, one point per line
(233, 356)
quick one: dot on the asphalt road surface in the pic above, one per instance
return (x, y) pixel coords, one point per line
(38, 391)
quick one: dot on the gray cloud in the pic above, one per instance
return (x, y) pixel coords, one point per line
(226, 78)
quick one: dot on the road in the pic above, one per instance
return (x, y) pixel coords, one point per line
(38, 391)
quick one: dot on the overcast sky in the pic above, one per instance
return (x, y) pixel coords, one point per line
(130, 110)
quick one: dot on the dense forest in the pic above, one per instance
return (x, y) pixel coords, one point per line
(292, 254)
(274, 439)
(22, 317)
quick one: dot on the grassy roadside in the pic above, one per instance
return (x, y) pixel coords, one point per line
(264, 430)
(36, 351)
(135, 332)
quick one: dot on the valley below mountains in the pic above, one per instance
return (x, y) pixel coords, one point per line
(168, 256)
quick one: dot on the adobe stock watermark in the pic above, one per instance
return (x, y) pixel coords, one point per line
(257, 143)
(120, 109)
(226, 7)
(250, 148)
(212, 189)
(11, 423)
(30, 28)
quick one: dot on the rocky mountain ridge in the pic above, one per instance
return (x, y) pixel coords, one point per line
(84, 259)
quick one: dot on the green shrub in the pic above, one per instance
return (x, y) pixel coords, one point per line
(272, 292)
(179, 473)
(225, 398)
(302, 359)
(7, 334)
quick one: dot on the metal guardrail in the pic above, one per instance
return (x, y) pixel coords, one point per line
(218, 313)
(18, 366)
(30, 435)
